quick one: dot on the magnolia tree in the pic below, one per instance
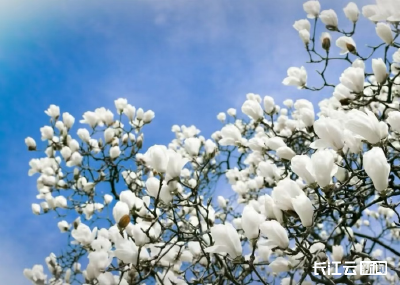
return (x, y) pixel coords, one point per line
(307, 188)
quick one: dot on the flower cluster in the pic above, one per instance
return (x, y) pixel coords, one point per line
(307, 184)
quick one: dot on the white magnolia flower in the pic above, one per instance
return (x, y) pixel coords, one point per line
(366, 125)
(377, 168)
(280, 264)
(322, 167)
(312, 8)
(337, 252)
(330, 19)
(226, 240)
(302, 24)
(379, 69)
(296, 77)
(53, 111)
(384, 31)
(276, 234)
(230, 135)
(351, 11)
(304, 208)
(346, 44)
(251, 221)
(253, 109)
(299, 165)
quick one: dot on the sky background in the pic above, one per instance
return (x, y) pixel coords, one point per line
(185, 60)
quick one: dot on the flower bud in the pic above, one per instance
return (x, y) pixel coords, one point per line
(304, 36)
(379, 69)
(53, 111)
(312, 8)
(351, 11)
(36, 209)
(124, 221)
(148, 116)
(384, 32)
(329, 18)
(30, 143)
(326, 41)
(377, 168)
(120, 104)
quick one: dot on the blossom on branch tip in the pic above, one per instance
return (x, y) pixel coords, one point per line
(253, 109)
(312, 8)
(346, 44)
(276, 234)
(377, 168)
(296, 77)
(330, 19)
(380, 70)
(226, 241)
(351, 11)
(384, 31)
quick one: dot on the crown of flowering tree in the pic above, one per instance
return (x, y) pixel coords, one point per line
(306, 188)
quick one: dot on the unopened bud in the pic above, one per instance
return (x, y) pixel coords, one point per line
(326, 41)
(124, 221)
(326, 44)
(351, 48)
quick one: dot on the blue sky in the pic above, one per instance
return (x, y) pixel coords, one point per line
(185, 60)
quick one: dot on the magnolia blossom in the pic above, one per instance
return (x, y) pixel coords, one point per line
(394, 121)
(226, 240)
(351, 11)
(280, 264)
(380, 71)
(325, 41)
(192, 146)
(83, 235)
(330, 133)
(120, 104)
(302, 24)
(353, 79)
(68, 120)
(384, 31)
(148, 116)
(127, 251)
(312, 8)
(296, 77)
(253, 109)
(47, 133)
(337, 252)
(330, 19)
(366, 125)
(251, 221)
(269, 104)
(304, 36)
(346, 44)
(230, 135)
(285, 152)
(322, 167)
(383, 11)
(304, 208)
(283, 193)
(299, 166)
(53, 111)
(30, 143)
(276, 234)
(377, 168)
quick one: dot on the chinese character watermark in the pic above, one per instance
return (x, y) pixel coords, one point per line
(373, 267)
(366, 268)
